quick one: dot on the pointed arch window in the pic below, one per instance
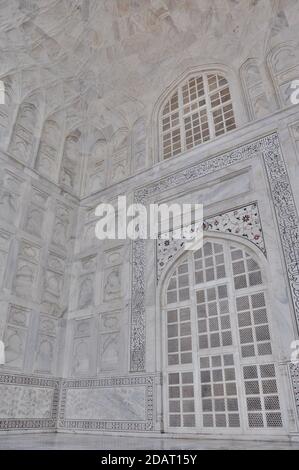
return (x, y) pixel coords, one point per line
(218, 356)
(199, 110)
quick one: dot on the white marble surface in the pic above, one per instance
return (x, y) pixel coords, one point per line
(92, 442)
(80, 126)
(106, 404)
(25, 402)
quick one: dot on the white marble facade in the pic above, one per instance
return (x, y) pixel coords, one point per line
(85, 80)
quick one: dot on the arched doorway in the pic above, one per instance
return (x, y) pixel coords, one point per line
(219, 359)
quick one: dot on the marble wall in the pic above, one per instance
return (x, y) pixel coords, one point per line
(111, 404)
(73, 136)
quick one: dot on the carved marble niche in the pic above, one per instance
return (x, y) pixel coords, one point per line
(15, 337)
(256, 95)
(27, 269)
(120, 158)
(46, 345)
(62, 226)
(10, 198)
(89, 237)
(22, 144)
(86, 282)
(96, 167)
(71, 161)
(36, 211)
(139, 145)
(7, 109)
(109, 356)
(283, 62)
(48, 157)
(53, 284)
(295, 136)
(5, 239)
(112, 285)
(81, 354)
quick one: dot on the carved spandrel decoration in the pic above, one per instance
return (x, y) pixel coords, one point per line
(243, 222)
(267, 148)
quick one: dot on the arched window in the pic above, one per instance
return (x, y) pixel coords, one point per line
(218, 347)
(199, 110)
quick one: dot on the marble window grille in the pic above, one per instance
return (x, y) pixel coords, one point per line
(198, 111)
(218, 352)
